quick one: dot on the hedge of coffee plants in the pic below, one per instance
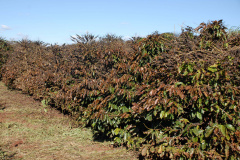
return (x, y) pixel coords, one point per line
(165, 96)
(5, 48)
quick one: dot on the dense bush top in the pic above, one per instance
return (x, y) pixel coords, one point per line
(167, 97)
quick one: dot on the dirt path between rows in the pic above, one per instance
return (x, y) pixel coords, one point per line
(29, 130)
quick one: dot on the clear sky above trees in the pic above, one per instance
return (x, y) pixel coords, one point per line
(54, 21)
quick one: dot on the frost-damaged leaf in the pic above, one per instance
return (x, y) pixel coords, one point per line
(195, 98)
(191, 152)
(161, 86)
(152, 92)
(170, 90)
(144, 151)
(205, 93)
(135, 107)
(170, 104)
(151, 82)
(226, 150)
(180, 94)
(160, 149)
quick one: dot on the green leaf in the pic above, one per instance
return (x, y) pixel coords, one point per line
(230, 127)
(197, 131)
(125, 109)
(226, 151)
(195, 139)
(198, 75)
(162, 114)
(179, 83)
(180, 69)
(204, 145)
(118, 140)
(227, 137)
(199, 115)
(217, 76)
(190, 68)
(149, 117)
(117, 130)
(222, 129)
(209, 131)
(200, 101)
(154, 112)
(152, 149)
(44, 102)
(213, 68)
(111, 89)
(125, 136)
(185, 73)
(166, 114)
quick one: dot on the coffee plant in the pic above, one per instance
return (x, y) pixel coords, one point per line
(164, 96)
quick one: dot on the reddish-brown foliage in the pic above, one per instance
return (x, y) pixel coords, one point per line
(169, 97)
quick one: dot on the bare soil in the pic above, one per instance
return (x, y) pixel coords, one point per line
(30, 130)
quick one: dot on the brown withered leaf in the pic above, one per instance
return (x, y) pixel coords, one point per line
(173, 110)
(170, 104)
(182, 96)
(179, 93)
(200, 92)
(135, 107)
(165, 101)
(170, 90)
(206, 94)
(129, 127)
(125, 115)
(144, 151)
(161, 86)
(148, 107)
(195, 98)
(152, 92)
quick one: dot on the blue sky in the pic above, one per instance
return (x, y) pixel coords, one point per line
(54, 21)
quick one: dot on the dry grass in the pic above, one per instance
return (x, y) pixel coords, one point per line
(32, 131)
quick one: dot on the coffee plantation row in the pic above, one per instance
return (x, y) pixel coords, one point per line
(165, 96)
